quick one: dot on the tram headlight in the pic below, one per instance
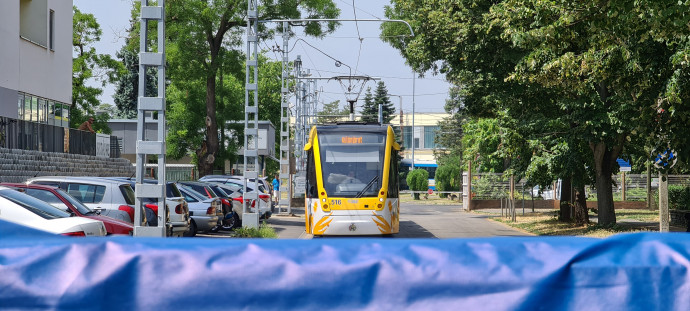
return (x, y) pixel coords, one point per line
(380, 199)
(323, 200)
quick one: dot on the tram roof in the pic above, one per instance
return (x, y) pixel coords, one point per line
(353, 126)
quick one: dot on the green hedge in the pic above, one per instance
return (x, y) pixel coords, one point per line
(678, 197)
(418, 180)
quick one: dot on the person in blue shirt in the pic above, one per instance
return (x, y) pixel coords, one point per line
(276, 189)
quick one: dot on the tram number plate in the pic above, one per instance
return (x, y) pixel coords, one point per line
(336, 202)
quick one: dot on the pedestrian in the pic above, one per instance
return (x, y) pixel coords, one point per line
(86, 126)
(276, 189)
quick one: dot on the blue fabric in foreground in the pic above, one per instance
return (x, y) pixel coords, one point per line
(642, 271)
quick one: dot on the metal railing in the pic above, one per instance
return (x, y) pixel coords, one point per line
(27, 135)
(487, 186)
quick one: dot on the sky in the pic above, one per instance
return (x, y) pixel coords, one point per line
(356, 45)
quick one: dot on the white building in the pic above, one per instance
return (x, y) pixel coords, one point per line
(36, 60)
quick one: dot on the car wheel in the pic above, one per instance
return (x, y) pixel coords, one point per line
(192, 229)
(230, 223)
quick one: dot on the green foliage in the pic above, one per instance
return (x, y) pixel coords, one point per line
(481, 140)
(485, 187)
(332, 112)
(127, 84)
(418, 180)
(679, 197)
(206, 50)
(370, 109)
(448, 176)
(87, 65)
(264, 231)
(450, 128)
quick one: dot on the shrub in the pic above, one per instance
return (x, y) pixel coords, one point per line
(678, 197)
(264, 231)
(447, 178)
(418, 180)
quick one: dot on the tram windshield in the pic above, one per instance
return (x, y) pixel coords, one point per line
(352, 163)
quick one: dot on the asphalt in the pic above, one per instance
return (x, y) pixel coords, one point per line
(291, 226)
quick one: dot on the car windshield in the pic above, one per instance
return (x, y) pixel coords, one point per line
(83, 209)
(219, 191)
(128, 193)
(33, 205)
(351, 162)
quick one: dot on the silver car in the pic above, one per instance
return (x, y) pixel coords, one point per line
(204, 212)
(178, 210)
(112, 198)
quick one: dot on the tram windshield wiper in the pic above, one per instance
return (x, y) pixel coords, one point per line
(371, 182)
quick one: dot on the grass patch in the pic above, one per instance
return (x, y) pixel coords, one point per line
(264, 231)
(432, 199)
(546, 224)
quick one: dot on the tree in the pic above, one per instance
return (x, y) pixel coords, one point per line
(418, 180)
(370, 109)
(591, 73)
(87, 65)
(127, 84)
(448, 175)
(332, 112)
(450, 128)
(203, 33)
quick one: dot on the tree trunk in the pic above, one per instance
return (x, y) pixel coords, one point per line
(603, 162)
(566, 199)
(207, 160)
(581, 216)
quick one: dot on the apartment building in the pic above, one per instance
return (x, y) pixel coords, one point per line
(36, 61)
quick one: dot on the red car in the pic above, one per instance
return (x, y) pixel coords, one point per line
(63, 201)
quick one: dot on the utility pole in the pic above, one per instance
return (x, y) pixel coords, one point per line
(251, 115)
(154, 104)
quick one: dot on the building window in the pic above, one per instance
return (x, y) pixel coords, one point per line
(407, 136)
(42, 110)
(429, 136)
(51, 31)
(51, 113)
(65, 115)
(20, 106)
(27, 108)
(33, 19)
(34, 109)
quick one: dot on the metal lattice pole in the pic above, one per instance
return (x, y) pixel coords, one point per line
(251, 117)
(153, 104)
(285, 127)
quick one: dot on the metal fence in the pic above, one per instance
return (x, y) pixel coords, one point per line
(487, 186)
(174, 172)
(26, 135)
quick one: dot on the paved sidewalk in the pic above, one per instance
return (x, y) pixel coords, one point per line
(650, 226)
(289, 226)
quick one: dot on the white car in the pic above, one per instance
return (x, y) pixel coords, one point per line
(264, 201)
(28, 211)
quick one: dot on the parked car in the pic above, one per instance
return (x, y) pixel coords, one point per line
(265, 207)
(232, 200)
(65, 202)
(234, 192)
(100, 194)
(178, 210)
(263, 185)
(26, 210)
(204, 212)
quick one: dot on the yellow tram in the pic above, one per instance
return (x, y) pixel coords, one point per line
(352, 180)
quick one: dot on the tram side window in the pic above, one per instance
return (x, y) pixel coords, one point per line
(393, 178)
(312, 191)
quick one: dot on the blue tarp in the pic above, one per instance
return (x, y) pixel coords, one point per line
(642, 271)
